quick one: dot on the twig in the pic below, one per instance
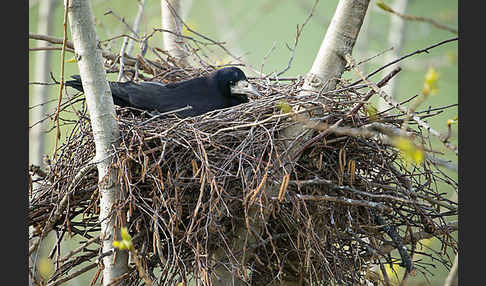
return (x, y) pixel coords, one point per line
(49, 49)
(392, 102)
(127, 39)
(425, 50)
(419, 19)
(369, 59)
(297, 36)
(165, 113)
(415, 237)
(347, 201)
(80, 248)
(56, 116)
(351, 112)
(136, 24)
(73, 275)
(54, 40)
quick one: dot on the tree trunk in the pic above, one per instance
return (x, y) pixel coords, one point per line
(330, 61)
(396, 33)
(339, 41)
(453, 279)
(37, 138)
(41, 92)
(171, 21)
(105, 129)
(326, 70)
(127, 45)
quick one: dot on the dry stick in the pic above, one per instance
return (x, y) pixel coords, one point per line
(388, 247)
(130, 61)
(141, 7)
(333, 186)
(219, 45)
(63, 52)
(141, 271)
(62, 205)
(297, 36)
(372, 57)
(393, 103)
(258, 123)
(350, 113)
(49, 49)
(80, 248)
(125, 43)
(425, 50)
(73, 275)
(343, 200)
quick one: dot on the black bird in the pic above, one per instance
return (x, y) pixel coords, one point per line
(222, 88)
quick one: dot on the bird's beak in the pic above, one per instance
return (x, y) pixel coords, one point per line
(244, 87)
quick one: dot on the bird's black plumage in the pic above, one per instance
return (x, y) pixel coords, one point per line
(220, 89)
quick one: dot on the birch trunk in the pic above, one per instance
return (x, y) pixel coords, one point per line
(339, 41)
(41, 92)
(37, 138)
(330, 61)
(105, 129)
(396, 33)
(127, 45)
(327, 68)
(171, 21)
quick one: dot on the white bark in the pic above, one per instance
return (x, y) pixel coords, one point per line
(41, 92)
(172, 21)
(326, 69)
(127, 45)
(330, 61)
(396, 33)
(453, 279)
(339, 41)
(105, 128)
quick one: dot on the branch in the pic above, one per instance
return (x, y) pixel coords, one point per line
(451, 279)
(105, 128)
(297, 36)
(389, 100)
(346, 201)
(417, 18)
(425, 50)
(54, 40)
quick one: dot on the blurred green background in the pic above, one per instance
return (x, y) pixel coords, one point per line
(259, 30)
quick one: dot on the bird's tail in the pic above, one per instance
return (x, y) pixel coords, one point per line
(76, 83)
(119, 91)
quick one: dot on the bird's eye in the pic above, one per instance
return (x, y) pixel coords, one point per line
(232, 82)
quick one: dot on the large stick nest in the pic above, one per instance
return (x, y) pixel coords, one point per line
(216, 184)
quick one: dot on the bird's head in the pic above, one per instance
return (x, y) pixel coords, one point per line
(233, 79)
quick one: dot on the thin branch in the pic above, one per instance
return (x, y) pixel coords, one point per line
(74, 274)
(418, 19)
(392, 102)
(63, 53)
(425, 50)
(297, 36)
(342, 200)
(350, 113)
